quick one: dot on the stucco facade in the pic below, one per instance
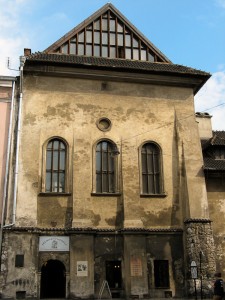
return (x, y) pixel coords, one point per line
(137, 243)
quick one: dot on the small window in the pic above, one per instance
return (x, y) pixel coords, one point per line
(21, 295)
(55, 166)
(151, 169)
(105, 167)
(19, 261)
(161, 273)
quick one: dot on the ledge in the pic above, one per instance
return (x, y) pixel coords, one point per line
(43, 194)
(105, 194)
(153, 195)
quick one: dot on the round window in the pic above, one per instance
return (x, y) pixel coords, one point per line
(104, 124)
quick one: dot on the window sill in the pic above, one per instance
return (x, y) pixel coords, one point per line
(53, 194)
(153, 195)
(106, 194)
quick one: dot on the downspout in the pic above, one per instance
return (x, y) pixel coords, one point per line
(22, 61)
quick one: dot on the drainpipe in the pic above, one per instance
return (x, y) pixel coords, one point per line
(22, 61)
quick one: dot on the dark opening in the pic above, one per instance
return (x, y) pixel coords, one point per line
(161, 273)
(53, 280)
(114, 277)
(21, 295)
(19, 261)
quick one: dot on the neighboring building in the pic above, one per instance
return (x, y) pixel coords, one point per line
(7, 85)
(213, 146)
(110, 189)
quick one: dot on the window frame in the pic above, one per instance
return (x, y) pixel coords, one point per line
(44, 162)
(161, 177)
(117, 163)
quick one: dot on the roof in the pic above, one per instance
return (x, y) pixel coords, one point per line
(113, 63)
(209, 146)
(110, 14)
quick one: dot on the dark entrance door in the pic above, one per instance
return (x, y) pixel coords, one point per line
(113, 274)
(53, 280)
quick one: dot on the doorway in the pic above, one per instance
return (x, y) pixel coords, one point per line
(114, 274)
(53, 280)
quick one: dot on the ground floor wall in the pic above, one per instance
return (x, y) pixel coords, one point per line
(93, 264)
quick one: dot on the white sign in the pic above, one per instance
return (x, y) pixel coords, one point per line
(54, 243)
(82, 268)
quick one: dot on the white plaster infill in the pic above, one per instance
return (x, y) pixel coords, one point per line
(54, 243)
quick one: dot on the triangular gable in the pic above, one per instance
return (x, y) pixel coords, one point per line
(107, 33)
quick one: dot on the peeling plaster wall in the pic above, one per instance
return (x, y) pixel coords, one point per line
(14, 279)
(69, 108)
(216, 198)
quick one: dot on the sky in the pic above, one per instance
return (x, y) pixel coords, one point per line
(188, 32)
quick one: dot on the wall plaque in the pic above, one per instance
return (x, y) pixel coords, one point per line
(82, 268)
(54, 243)
(136, 266)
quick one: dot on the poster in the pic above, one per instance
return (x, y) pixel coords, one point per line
(136, 266)
(82, 268)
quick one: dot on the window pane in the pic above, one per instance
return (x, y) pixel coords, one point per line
(135, 54)
(55, 160)
(65, 48)
(98, 147)
(61, 183)
(111, 183)
(89, 50)
(89, 36)
(120, 39)
(80, 49)
(111, 163)
(150, 57)
(104, 161)
(135, 42)
(48, 182)
(81, 37)
(49, 145)
(96, 50)
(143, 54)
(144, 184)
(128, 40)
(97, 25)
(104, 146)
(112, 25)
(104, 51)
(98, 161)
(105, 38)
(112, 52)
(151, 189)
(73, 48)
(128, 53)
(98, 183)
(119, 27)
(48, 160)
(144, 162)
(56, 145)
(62, 160)
(112, 39)
(104, 24)
(55, 182)
(89, 27)
(97, 37)
(61, 145)
(105, 183)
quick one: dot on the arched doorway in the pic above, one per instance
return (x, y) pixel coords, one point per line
(53, 280)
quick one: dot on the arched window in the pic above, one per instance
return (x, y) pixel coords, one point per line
(151, 169)
(55, 166)
(106, 153)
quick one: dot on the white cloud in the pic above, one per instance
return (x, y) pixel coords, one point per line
(211, 99)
